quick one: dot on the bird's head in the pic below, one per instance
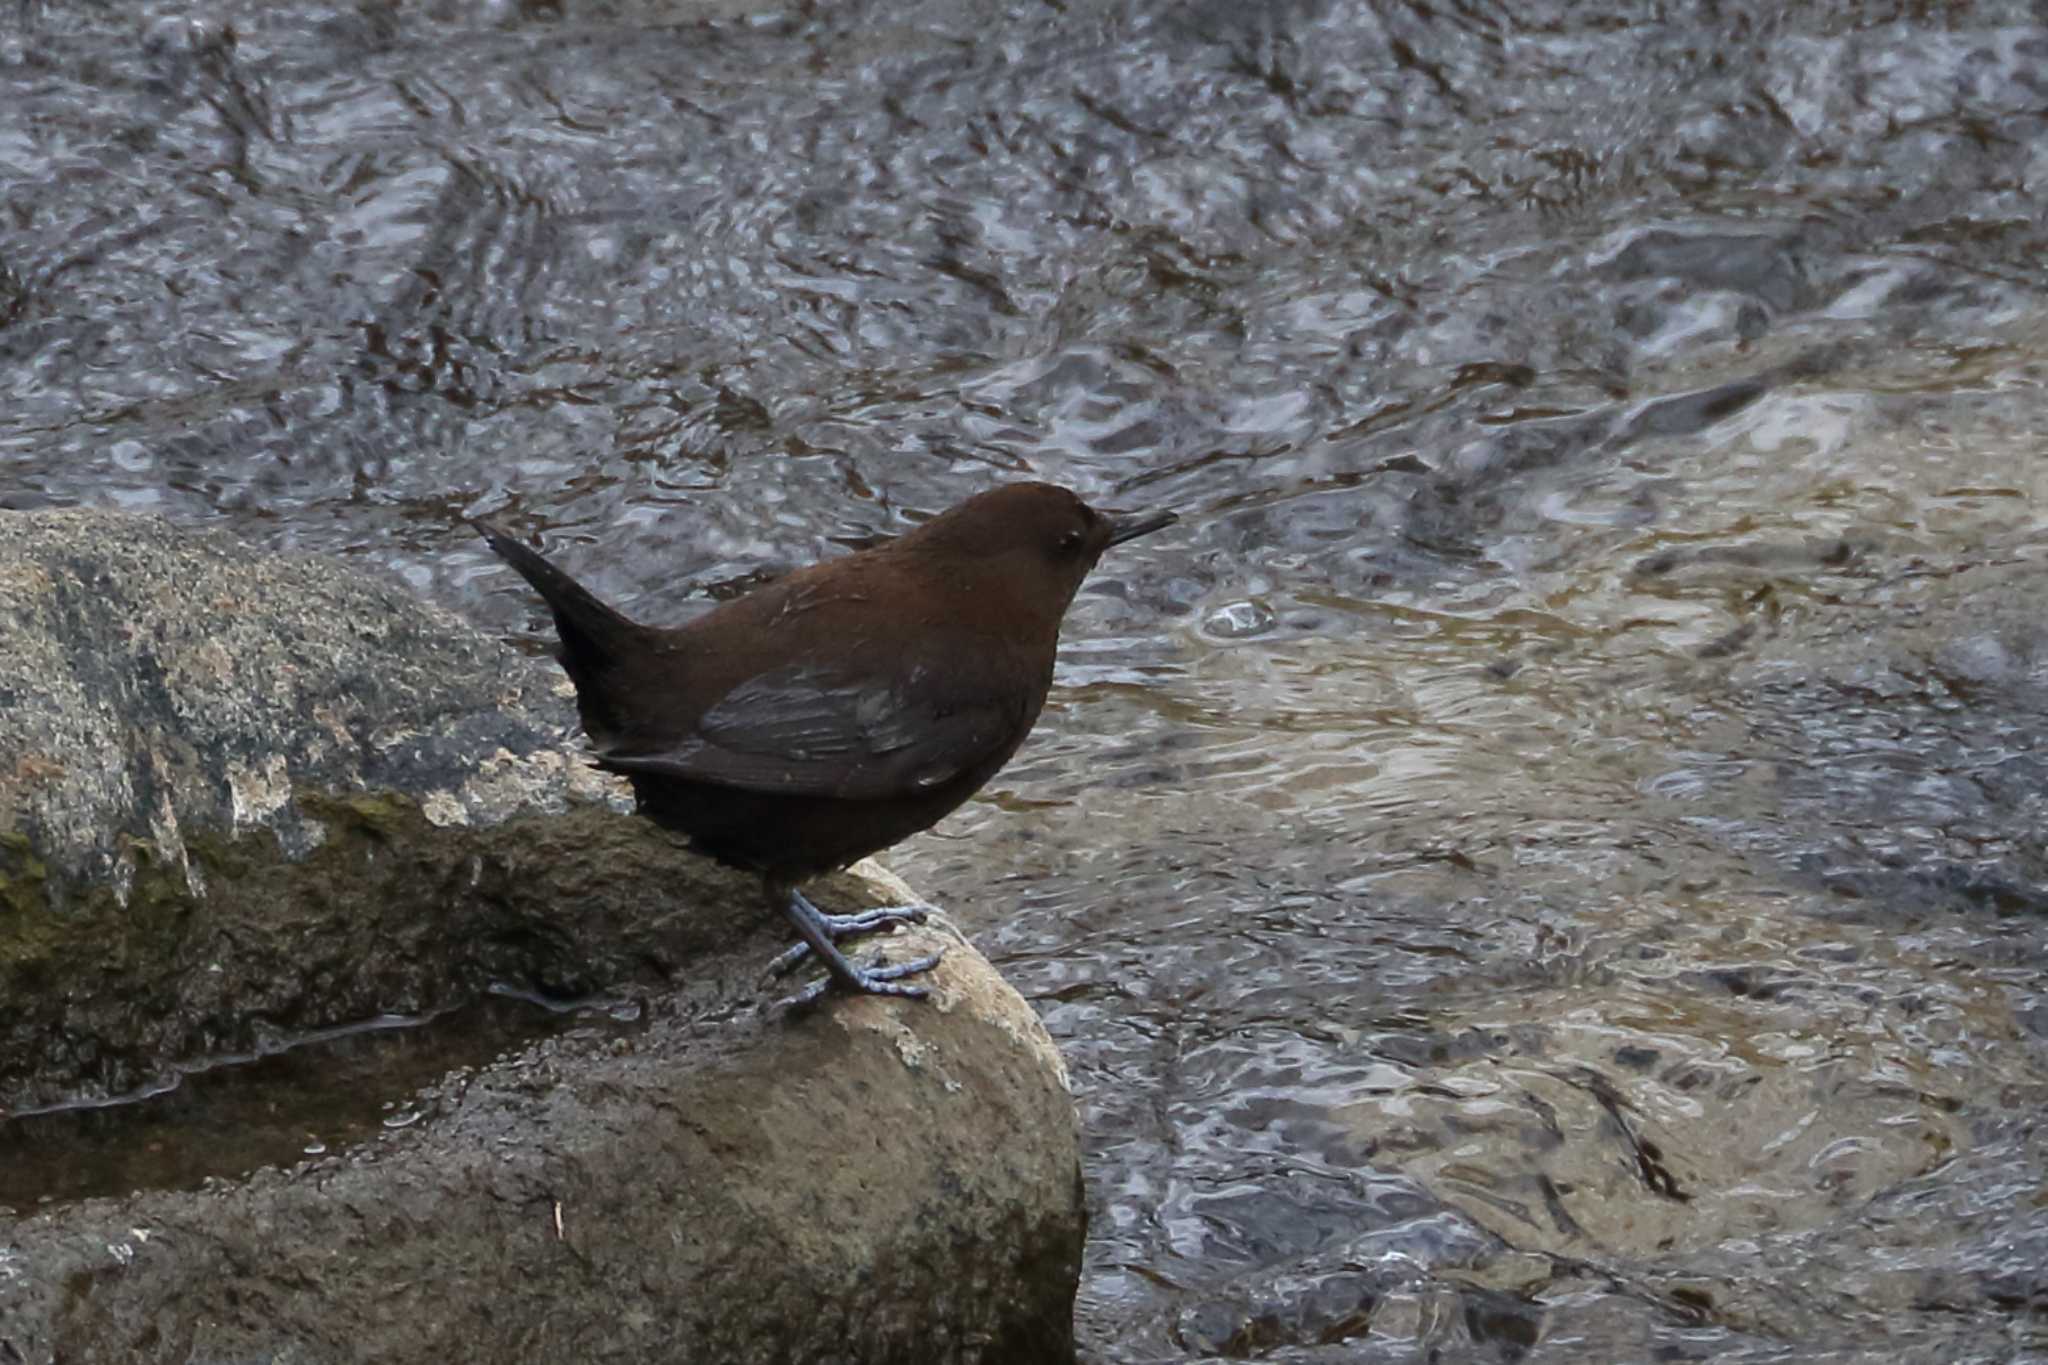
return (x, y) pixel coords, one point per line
(1037, 539)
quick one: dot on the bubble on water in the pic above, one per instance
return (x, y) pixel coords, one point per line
(1239, 620)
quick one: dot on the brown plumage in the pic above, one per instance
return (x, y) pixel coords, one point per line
(838, 710)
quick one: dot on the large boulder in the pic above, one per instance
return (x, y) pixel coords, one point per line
(251, 797)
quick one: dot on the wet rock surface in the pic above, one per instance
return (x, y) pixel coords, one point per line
(894, 1180)
(873, 1182)
(251, 796)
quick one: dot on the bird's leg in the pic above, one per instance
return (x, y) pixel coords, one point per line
(840, 927)
(817, 932)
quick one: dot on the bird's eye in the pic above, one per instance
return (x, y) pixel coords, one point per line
(1070, 543)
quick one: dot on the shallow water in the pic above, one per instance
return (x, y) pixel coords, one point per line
(1543, 864)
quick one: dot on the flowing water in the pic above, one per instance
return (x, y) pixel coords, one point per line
(1545, 862)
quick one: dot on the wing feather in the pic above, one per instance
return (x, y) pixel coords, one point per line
(801, 730)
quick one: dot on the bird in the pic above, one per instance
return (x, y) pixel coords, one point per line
(837, 710)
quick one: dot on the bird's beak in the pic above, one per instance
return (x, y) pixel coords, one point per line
(1135, 524)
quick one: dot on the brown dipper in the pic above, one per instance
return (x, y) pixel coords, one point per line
(836, 711)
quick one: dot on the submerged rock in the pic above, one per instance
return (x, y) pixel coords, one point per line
(250, 797)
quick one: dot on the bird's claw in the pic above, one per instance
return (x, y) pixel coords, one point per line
(877, 978)
(821, 933)
(839, 927)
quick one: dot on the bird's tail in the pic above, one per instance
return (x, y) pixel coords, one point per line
(595, 636)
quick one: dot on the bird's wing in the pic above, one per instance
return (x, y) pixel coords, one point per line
(802, 731)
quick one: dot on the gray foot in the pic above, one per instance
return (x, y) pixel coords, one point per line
(841, 927)
(819, 932)
(872, 980)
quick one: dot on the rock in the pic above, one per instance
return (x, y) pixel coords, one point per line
(249, 797)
